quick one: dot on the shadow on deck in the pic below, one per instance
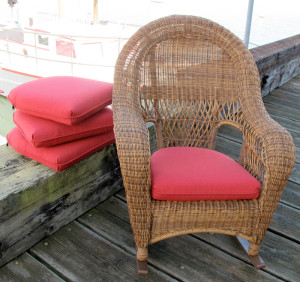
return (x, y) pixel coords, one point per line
(99, 245)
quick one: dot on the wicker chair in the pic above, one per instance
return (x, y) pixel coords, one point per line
(183, 73)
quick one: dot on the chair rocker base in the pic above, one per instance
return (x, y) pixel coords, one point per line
(142, 267)
(257, 261)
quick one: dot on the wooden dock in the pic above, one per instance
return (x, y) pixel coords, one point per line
(99, 246)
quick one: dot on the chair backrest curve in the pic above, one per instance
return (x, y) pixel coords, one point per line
(188, 75)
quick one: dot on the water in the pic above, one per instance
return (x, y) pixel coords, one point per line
(2, 140)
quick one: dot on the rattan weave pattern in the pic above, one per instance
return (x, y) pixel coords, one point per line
(189, 76)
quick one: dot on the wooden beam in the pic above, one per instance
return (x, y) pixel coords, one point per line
(277, 62)
(36, 201)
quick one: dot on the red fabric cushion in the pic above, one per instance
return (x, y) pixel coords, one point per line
(64, 99)
(61, 156)
(193, 174)
(42, 132)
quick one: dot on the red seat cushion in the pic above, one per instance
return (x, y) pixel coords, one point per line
(193, 174)
(61, 156)
(42, 132)
(64, 99)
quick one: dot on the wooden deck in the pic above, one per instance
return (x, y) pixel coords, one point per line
(99, 246)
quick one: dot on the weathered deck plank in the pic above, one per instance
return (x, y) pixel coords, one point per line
(183, 256)
(286, 222)
(229, 142)
(286, 219)
(27, 268)
(277, 250)
(282, 256)
(278, 110)
(286, 93)
(79, 254)
(291, 195)
(295, 176)
(281, 102)
(228, 147)
(292, 86)
(290, 125)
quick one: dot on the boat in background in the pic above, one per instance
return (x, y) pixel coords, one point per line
(36, 52)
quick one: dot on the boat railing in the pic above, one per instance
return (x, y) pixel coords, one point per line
(44, 53)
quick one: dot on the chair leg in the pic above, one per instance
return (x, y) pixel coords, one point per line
(142, 267)
(256, 260)
(142, 255)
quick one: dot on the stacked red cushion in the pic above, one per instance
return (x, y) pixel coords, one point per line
(64, 99)
(61, 120)
(44, 133)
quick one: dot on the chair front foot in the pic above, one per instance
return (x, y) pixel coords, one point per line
(256, 260)
(142, 267)
(141, 256)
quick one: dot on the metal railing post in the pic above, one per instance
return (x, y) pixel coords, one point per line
(36, 54)
(119, 46)
(7, 48)
(72, 50)
(248, 22)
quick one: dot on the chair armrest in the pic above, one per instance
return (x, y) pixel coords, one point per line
(268, 153)
(133, 148)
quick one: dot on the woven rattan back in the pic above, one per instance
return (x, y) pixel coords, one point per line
(186, 74)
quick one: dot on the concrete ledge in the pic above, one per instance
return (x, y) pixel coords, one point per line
(36, 201)
(277, 62)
